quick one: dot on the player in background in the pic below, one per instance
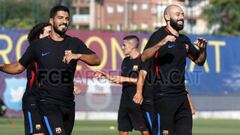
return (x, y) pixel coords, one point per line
(32, 118)
(130, 115)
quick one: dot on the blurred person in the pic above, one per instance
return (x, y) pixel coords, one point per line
(56, 56)
(130, 115)
(3, 108)
(32, 118)
(165, 55)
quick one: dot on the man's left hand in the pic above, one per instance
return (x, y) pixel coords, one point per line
(69, 56)
(201, 43)
(138, 98)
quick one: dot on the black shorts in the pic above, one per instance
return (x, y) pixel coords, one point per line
(59, 120)
(150, 117)
(33, 122)
(131, 117)
(174, 115)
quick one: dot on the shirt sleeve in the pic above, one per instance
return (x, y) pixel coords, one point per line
(146, 65)
(28, 56)
(123, 66)
(155, 38)
(82, 48)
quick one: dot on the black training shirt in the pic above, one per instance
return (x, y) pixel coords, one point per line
(167, 67)
(130, 68)
(54, 76)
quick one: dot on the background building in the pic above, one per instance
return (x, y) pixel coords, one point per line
(133, 15)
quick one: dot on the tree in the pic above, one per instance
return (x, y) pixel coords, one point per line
(225, 14)
(23, 14)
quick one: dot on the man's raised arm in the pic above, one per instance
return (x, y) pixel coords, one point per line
(202, 44)
(90, 59)
(138, 98)
(150, 52)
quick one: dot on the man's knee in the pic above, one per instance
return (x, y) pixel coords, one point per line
(145, 133)
(183, 132)
(39, 134)
(165, 132)
(123, 133)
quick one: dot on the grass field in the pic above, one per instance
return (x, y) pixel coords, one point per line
(201, 127)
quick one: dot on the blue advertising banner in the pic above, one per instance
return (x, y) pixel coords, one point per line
(219, 76)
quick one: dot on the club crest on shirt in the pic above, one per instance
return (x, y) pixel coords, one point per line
(58, 130)
(135, 67)
(38, 126)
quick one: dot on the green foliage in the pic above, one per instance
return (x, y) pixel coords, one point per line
(23, 14)
(226, 14)
(25, 23)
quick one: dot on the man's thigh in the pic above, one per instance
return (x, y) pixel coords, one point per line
(53, 118)
(124, 123)
(68, 119)
(33, 122)
(183, 122)
(166, 108)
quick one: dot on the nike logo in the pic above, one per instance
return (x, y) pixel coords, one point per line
(44, 54)
(33, 104)
(171, 46)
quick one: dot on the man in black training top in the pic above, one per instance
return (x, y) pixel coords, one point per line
(130, 115)
(57, 57)
(165, 55)
(33, 123)
(32, 118)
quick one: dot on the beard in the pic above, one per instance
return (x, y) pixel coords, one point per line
(60, 32)
(174, 24)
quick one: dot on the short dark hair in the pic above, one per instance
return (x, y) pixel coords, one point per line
(57, 8)
(35, 32)
(130, 37)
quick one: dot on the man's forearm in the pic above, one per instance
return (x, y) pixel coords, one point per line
(90, 59)
(14, 68)
(139, 87)
(138, 98)
(150, 52)
(123, 79)
(140, 81)
(109, 77)
(130, 80)
(202, 57)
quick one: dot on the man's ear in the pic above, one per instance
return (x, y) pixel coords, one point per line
(167, 17)
(51, 21)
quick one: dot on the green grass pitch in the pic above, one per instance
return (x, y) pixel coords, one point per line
(14, 126)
